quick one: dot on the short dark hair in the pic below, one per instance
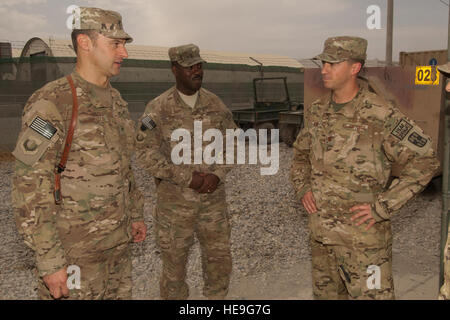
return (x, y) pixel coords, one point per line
(92, 34)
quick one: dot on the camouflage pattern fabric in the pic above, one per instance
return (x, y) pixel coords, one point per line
(106, 276)
(186, 55)
(106, 22)
(341, 270)
(177, 218)
(444, 293)
(344, 156)
(445, 69)
(180, 211)
(100, 198)
(445, 289)
(337, 49)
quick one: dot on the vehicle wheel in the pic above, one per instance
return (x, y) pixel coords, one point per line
(265, 125)
(288, 133)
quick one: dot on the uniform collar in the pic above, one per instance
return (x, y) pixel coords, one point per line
(350, 108)
(180, 101)
(87, 88)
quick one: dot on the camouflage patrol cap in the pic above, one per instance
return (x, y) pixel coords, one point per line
(445, 69)
(337, 49)
(105, 22)
(186, 55)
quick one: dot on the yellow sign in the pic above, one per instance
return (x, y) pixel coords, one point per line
(427, 76)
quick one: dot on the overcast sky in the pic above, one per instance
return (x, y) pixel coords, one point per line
(295, 28)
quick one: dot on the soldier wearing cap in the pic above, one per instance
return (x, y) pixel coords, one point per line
(445, 70)
(82, 213)
(340, 170)
(444, 293)
(190, 196)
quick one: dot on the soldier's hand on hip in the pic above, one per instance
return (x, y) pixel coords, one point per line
(364, 215)
(309, 202)
(210, 183)
(57, 283)
(138, 231)
(197, 180)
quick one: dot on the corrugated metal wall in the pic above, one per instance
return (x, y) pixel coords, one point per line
(422, 58)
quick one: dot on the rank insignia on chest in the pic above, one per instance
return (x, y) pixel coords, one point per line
(147, 123)
(43, 127)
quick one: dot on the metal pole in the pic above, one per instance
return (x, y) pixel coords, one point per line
(262, 81)
(389, 31)
(260, 66)
(448, 35)
(446, 166)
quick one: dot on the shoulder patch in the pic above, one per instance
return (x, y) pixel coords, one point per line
(37, 138)
(44, 128)
(147, 123)
(402, 128)
(412, 137)
(418, 140)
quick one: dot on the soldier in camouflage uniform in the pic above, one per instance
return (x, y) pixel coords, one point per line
(445, 289)
(191, 197)
(101, 209)
(340, 170)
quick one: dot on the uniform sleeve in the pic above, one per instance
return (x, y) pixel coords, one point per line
(444, 292)
(136, 207)
(221, 170)
(405, 144)
(34, 208)
(151, 154)
(136, 201)
(301, 165)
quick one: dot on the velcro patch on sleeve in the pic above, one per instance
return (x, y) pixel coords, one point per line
(37, 138)
(147, 123)
(43, 127)
(417, 141)
(402, 129)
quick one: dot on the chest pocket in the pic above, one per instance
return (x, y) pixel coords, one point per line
(347, 141)
(89, 142)
(121, 115)
(173, 123)
(213, 120)
(318, 141)
(119, 130)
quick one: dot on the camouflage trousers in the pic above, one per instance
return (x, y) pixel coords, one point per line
(349, 262)
(444, 293)
(178, 218)
(106, 276)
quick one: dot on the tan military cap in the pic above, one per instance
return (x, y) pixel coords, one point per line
(106, 22)
(186, 55)
(445, 68)
(337, 49)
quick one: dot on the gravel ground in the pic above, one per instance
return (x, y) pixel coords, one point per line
(269, 236)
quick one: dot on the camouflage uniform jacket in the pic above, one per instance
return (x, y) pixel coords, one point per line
(168, 112)
(345, 156)
(444, 292)
(100, 198)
